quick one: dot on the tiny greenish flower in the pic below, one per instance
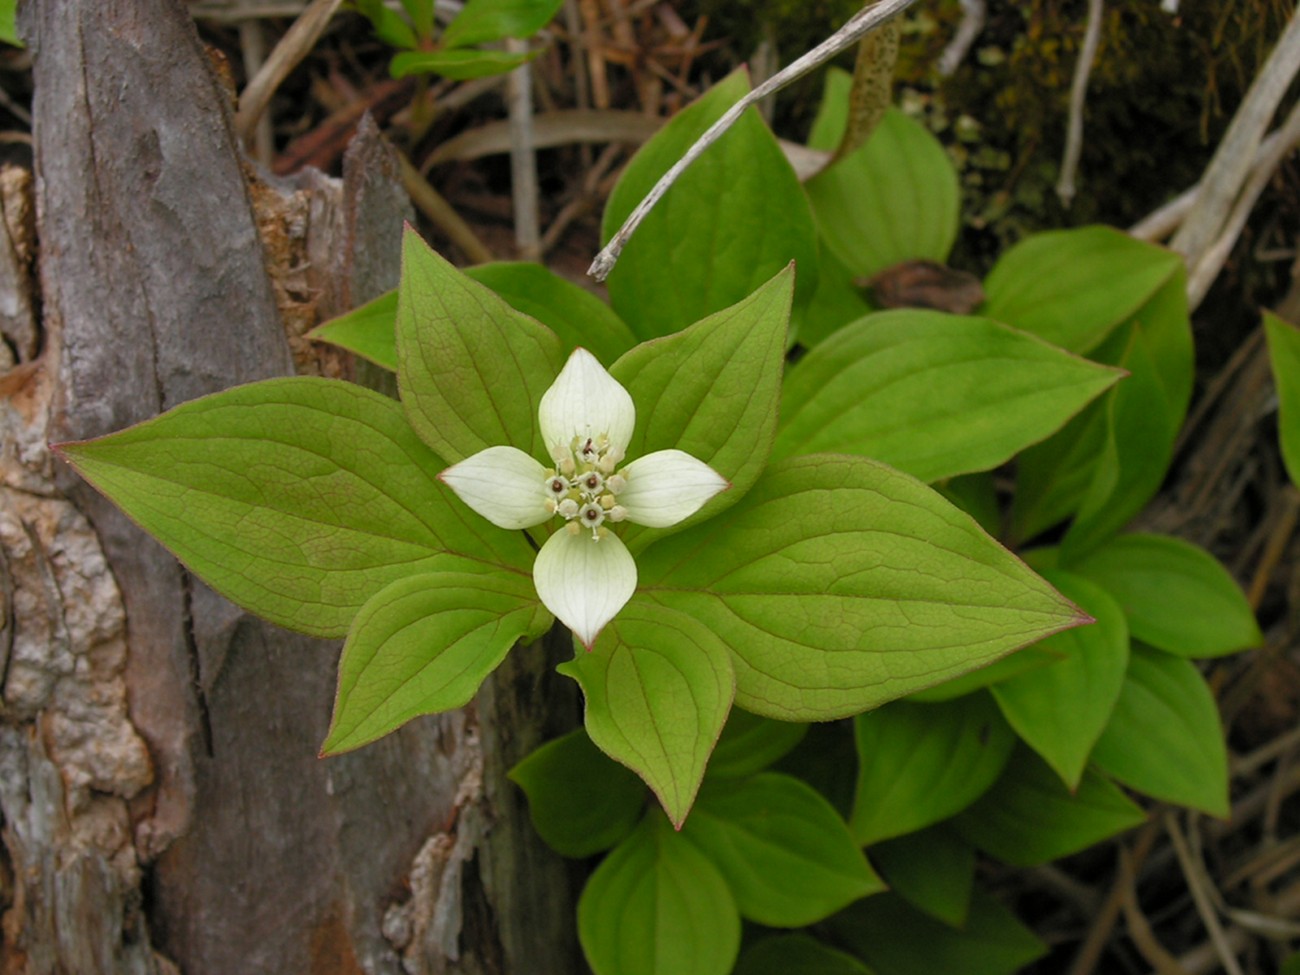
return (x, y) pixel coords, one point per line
(584, 574)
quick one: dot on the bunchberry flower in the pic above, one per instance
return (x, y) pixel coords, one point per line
(584, 574)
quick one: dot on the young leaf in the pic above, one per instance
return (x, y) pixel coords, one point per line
(460, 64)
(933, 870)
(1029, 817)
(894, 937)
(471, 369)
(869, 389)
(1073, 287)
(389, 27)
(1060, 710)
(424, 644)
(750, 744)
(786, 854)
(658, 906)
(1284, 354)
(299, 499)
(483, 21)
(797, 954)
(577, 316)
(712, 390)
(370, 330)
(1177, 597)
(921, 763)
(580, 801)
(1164, 738)
(839, 584)
(736, 217)
(893, 199)
(658, 686)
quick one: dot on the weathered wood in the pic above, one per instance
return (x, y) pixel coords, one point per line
(184, 817)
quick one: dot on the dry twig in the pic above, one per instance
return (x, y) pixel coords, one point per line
(1078, 94)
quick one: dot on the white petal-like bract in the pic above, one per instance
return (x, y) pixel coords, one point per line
(586, 401)
(668, 486)
(503, 484)
(584, 582)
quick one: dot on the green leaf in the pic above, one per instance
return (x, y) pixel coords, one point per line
(1073, 287)
(750, 744)
(1177, 596)
(893, 199)
(1029, 817)
(921, 763)
(8, 23)
(299, 499)
(1023, 661)
(483, 21)
(839, 584)
(933, 870)
(871, 389)
(421, 14)
(784, 851)
(658, 686)
(472, 370)
(580, 801)
(461, 64)
(832, 116)
(424, 644)
(1060, 710)
(896, 939)
(1164, 738)
(389, 27)
(1140, 432)
(658, 906)
(369, 331)
(578, 317)
(1284, 354)
(712, 390)
(797, 954)
(735, 218)
(836, 302)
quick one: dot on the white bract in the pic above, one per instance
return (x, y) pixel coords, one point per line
(584, 574)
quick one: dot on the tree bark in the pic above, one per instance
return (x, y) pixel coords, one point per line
(163, 805)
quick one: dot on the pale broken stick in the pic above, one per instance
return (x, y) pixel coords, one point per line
(852, 31)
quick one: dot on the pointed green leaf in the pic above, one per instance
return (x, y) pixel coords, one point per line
(712, 390)
(839, 584)
(299, 499)
(573, 313)
(658, 906)
(1165, 738)
(1029, 817)
(797, 954)
(1284, 354)
(481, 21)
(921, 763)
(1177, 596)
(733, 219)
(471, 369)
(658, 686)
(895, 938)
(893, 199)
(423, 645)
(786, 854)
(369, 331)
(580, 801)
(870, 389)
(1073, 287)
(460, 64)
(750, 744)
(1060, 710)
(388, 24)
(933, 870)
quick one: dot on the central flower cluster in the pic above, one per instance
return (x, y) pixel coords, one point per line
(583, 488)
(586, 420)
